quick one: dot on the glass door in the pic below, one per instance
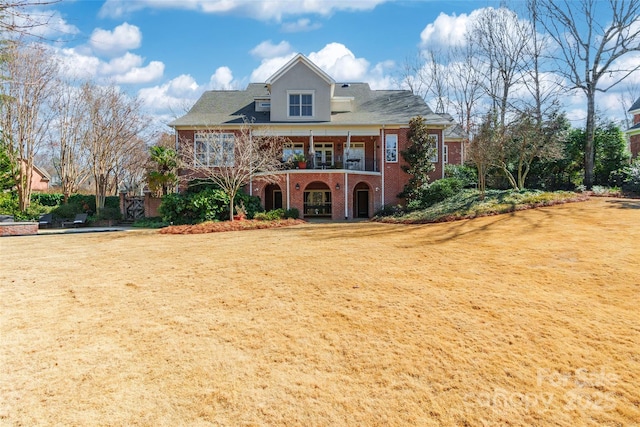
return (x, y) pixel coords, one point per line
(317, 203)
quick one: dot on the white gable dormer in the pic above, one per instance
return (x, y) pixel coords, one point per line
(300, 92)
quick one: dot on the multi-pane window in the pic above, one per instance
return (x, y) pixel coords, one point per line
(300, 105)
(290, 150)
(391, 148)
(445, 154)
(434, 141)
(324, 154)
(214, 149)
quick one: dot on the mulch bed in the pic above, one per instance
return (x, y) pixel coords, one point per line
(216, 227)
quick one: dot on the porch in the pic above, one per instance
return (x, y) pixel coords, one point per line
(323, 193)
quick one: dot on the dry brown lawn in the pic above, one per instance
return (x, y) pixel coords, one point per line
(529, 318)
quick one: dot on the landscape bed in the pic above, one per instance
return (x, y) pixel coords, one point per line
(526, 318)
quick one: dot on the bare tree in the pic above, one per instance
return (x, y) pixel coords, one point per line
(15, 20)
(465, 82)
(414, 77)
(591, 37)
(114, 122)
(68, 136)
(29, 72)
(232, 159)
(501, 40)
(131, 172)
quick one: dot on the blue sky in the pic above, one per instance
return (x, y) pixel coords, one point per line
(169, 51)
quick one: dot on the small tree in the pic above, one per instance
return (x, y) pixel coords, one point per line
(162, 174)
(419, 156)
(232, 160)
(482, 149)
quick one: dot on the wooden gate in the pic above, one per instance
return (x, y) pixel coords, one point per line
(133, 208)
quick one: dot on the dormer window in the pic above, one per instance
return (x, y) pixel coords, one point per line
(300, 104)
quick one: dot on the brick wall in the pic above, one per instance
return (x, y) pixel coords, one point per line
(18, 228)
(634, 144)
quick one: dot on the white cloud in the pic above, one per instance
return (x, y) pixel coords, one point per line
(259, 10)
(300, 26)
(77, 65)
(124, 37)
(175, 96)
(140, 75)
(222, 79)
(127, 69)
(269, 66)
(447, 30)
(340, 63)
(267, 49)
(337, 61)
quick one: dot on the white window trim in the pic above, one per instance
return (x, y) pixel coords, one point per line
(445, 154)
(313, 104)
(388, 138)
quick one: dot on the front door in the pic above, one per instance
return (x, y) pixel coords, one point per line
(362, 203)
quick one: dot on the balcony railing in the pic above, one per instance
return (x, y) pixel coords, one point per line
(368, 165)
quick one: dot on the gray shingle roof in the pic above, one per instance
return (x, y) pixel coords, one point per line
(636, 105)
(634, 127)
(378, 107)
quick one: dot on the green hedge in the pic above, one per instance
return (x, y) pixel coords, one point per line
(210, 204)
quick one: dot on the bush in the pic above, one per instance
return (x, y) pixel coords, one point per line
(390, 210)
(154, 222)
(251, 204)
(192, 208)
(271, 215)
(47, 199)
(440, 190)
(109, 213)
(466, 174)
(292, 213)
(631, 177)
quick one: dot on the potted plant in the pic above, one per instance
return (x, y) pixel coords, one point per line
(241, 212)
(301, 159)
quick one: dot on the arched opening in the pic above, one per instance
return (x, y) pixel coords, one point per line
(361, 194)
(272, 197)
(317, 200)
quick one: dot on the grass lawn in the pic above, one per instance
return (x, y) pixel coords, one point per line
(526, 318)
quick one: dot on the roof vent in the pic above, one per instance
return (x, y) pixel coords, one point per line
(345, 85)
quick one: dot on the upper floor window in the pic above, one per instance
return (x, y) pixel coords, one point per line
(214, 149)
(300, 104)
(391, 148)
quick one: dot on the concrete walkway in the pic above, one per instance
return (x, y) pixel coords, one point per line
(45, 231)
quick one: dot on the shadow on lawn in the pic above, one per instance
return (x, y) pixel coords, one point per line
(625, 204)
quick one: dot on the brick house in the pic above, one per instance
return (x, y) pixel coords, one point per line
(634, 131)
(352, 136)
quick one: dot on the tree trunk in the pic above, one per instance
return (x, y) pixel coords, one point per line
(589, 146)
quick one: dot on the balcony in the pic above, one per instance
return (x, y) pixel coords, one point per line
(353, 165)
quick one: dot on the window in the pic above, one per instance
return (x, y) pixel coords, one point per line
(301, 104)
(290, 150)
(391, 148)
(434, 140)
(445, 154)
(324, 155)
(214, 149)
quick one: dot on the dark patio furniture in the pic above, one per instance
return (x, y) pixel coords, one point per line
(80, 219)
(45, 221)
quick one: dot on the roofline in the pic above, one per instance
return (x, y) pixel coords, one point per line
(300, 58)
